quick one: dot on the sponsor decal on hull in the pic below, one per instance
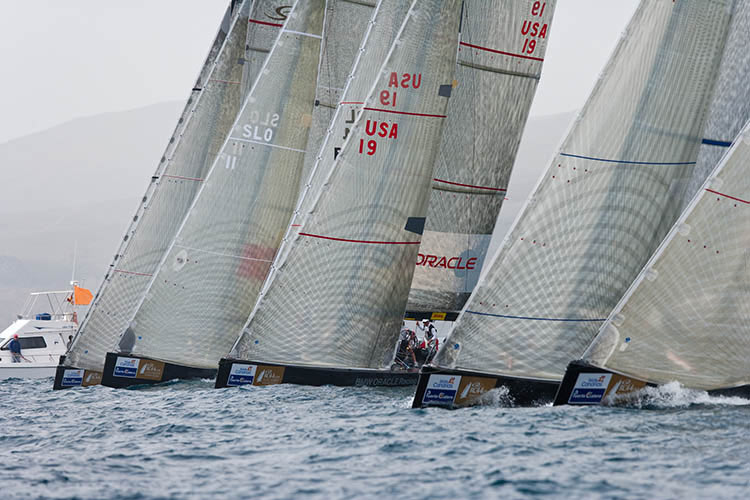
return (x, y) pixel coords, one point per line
(621, 386)
(126, 367)
(150, 369)
(381, 381)
(471, 388)
(441, 390)
(593, 388)
(589, 388)
(91, 378)
(269, 375)
(241, 374)
(72, 378)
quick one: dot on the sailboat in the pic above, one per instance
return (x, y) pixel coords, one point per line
(685, 317)
(332, 310)
(500, 56)
(211, 275)
(603, 206)
(214, 101)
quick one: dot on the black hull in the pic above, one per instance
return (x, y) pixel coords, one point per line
(586, 384)
(67, 377)
(234, 372)
(454, 392)
(122, 370)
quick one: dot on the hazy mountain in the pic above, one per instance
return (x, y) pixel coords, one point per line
(80, 182)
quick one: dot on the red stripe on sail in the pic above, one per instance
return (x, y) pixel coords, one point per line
(405, 113)
(362, 241)
(727, 196)
(479, 47)
(470, 185)
(265, 23)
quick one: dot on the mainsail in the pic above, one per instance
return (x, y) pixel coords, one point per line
(215, 100)
(730, 105)
(500, 57)
(610, 195)
(339, 295)
(686, 317)
(210, 276)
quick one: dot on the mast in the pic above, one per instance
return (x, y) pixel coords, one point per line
(214, 101)
(500, 58)
(606, 201)
(339, 293)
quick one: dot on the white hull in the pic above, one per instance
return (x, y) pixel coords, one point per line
(27, 370)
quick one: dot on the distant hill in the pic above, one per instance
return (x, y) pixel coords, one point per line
(77, 182)
(81, 182)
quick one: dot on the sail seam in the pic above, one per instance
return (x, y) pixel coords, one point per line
(132, 272)
(469, 185)
(532, 318)
(483, 67)
(629, 162)
(495, 51)
(269, 145)
(302, 33)
(183, 178)
(224, 81)
(220, 254)
(426, 115)
(361, 241)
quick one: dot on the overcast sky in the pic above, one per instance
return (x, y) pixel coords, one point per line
(63, 59)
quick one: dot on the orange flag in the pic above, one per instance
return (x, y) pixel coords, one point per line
(81, 296)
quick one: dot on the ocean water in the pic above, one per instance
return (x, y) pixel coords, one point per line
(188, 440)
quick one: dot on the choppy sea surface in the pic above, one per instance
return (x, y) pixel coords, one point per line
(188, 440)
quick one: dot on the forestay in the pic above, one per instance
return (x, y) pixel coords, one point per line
(215, 100)
(610, 195)
(730, 106)
(686, 317)
(339, 295)
(209, 278)
(500, 57)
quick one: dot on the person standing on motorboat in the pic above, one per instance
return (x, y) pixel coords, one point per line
(14, 346)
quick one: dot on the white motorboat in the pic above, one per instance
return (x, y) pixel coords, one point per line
(44, 336)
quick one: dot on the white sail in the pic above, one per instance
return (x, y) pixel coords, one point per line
(346, 22)
(215, 100)
(500, 57)
(610, 195)
(339, 296)
(730, 106)
(209, 278)
(686, 317)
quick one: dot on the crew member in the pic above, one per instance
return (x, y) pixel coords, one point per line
(15, 349)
